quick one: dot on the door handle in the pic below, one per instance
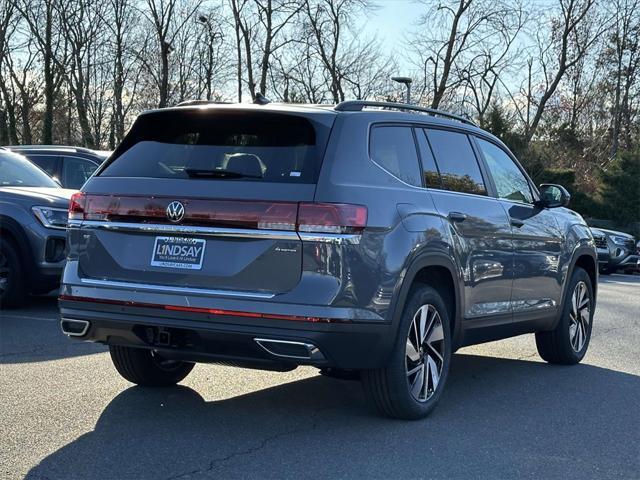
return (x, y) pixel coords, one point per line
(516, 222)
(457, 217)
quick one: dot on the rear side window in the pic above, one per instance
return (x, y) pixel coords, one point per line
(459, 169)
(253, 146)
(393, 148)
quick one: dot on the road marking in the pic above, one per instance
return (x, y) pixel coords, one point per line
(38, 319)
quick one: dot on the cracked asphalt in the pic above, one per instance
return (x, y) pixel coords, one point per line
(66, 414)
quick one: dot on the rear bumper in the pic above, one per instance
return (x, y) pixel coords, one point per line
(229, 339)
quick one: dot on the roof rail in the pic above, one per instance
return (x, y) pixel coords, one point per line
(358, 105)
(50, 147)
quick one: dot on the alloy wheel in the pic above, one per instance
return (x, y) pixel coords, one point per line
(579, 316)
(425, 353)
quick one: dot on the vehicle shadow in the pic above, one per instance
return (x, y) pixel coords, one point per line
(498, 418)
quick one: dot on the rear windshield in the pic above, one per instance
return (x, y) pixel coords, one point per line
(203, 144)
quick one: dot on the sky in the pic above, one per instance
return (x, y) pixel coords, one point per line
(392, 21)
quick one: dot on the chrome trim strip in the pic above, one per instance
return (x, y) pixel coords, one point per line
(313, 352)
(334, 238)
(74, 320)
(163, 289)
(189, 230)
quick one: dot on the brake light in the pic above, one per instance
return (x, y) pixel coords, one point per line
(76, 206)
(261, 215)
(331, 218)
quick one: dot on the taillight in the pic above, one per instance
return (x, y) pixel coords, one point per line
(331, 218)
(76, 206)
(291, 216)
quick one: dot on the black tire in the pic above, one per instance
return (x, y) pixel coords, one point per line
(145, 367)
(390, 388)
(340, 374)
(558, 345)
(12, 282)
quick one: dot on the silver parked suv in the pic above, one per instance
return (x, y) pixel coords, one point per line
(369, 239)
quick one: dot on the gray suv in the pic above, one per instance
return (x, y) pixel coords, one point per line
(33, 221)
(367, 239)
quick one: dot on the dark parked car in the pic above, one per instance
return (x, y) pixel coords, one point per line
(623, 255)
(364, 241)
(33, 219)
(71, 166)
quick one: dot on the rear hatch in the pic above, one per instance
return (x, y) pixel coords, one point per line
(206, 198)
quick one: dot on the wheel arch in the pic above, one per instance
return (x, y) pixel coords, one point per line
(438, 271)
(11, 230)
(583, 257)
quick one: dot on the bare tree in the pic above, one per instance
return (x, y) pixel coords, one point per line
(492, 59)
(327, 23)
(43, 25)
(168, 19)
(81, 22)
(574, 31)
(8, 20)
(623, 56)
(446, 33)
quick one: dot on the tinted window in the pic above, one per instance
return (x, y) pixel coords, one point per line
(265, 147)
(429, 167)
(75, 171)
(17, 171)
(394, 149)
(48, 163)
(511, 184)
(456, 161)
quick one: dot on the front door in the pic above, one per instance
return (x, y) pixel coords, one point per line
(537, 238)
(478, 224)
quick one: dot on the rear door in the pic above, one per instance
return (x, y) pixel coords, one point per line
(204, 198)
(537, 238)
(478, 224)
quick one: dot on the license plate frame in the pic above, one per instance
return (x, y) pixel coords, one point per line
(184, 253)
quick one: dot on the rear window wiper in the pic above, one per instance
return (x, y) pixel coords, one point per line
(217, 173)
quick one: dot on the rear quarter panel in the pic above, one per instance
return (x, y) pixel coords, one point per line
(403, 223)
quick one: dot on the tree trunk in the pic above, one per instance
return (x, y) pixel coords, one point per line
(164, 74)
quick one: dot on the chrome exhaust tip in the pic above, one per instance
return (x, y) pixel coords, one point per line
(74, 327)
(290, 349)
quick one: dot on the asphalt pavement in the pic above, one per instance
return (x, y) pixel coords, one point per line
(66, 414)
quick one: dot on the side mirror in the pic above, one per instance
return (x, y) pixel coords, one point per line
(552, 196)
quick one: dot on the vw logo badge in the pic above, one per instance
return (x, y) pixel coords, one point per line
(175, 212)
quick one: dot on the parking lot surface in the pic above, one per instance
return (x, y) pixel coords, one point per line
(65, 413)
